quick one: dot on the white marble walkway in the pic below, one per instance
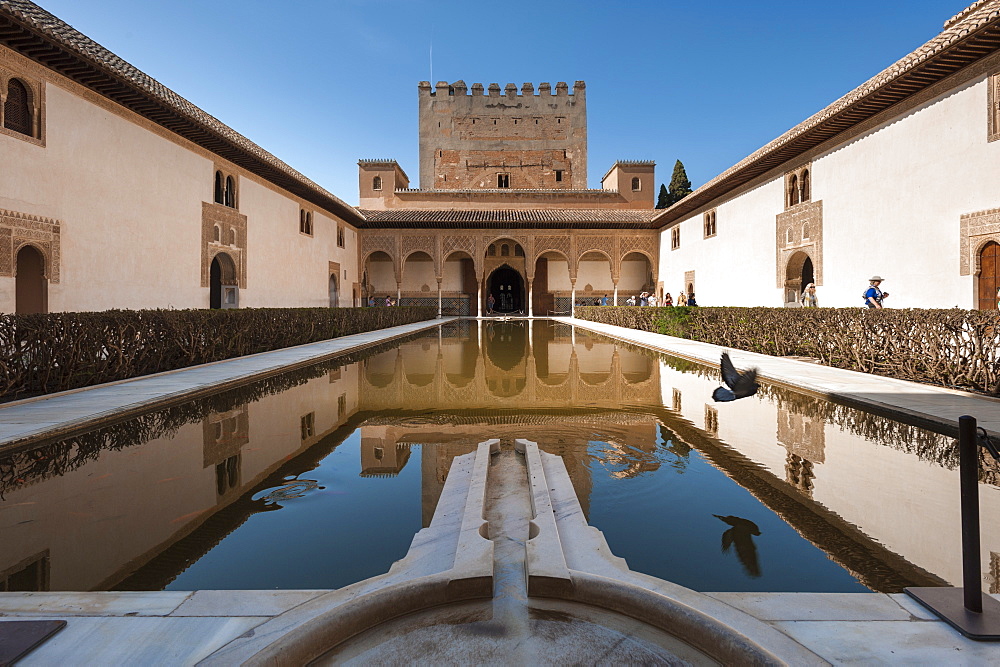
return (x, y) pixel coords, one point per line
(64, 412)
(920, 404)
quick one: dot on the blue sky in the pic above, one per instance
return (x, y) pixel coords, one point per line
(321, 84)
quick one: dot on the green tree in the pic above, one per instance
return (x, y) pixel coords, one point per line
(663, 198)
(680, 186)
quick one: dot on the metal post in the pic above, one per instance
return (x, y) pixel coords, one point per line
(968, 473)
(966, 609)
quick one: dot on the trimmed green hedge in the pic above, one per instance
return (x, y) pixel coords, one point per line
(40, 354)
(955, 347)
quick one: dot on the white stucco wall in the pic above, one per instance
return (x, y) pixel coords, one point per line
(129, 200)
(892, 200)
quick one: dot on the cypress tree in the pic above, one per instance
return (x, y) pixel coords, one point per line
(663, 197)
(680, 186)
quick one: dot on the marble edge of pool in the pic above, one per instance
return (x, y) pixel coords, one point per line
(52, 416)
(927, 406)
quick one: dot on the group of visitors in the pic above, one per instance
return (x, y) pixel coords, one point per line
(873, 296)
(389, 301)
(648, 299)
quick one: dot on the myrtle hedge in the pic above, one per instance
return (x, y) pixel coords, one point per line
(40, 354)
(954, 348)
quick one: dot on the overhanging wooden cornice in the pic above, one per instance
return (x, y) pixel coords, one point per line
(960, 45)
(31, 31)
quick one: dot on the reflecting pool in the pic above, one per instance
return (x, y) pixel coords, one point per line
(320, 478)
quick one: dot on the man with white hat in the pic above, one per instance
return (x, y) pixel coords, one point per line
(874, 296)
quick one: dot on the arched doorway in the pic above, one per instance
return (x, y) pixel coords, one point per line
(798, 274)
(989, 275)
(31, 288)
(507, 288)
(334, 297)
(223, 288)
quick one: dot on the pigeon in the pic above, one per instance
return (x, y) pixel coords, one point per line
(741, 383)
(741, 535)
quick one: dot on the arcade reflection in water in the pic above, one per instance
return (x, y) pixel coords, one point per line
(260, 487)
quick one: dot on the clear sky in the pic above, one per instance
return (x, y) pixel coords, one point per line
(322, 83)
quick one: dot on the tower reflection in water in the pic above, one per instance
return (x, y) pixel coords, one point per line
(260, 487)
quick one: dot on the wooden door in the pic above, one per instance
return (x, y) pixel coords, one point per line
(989, 276)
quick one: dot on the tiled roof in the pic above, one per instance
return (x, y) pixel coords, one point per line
(533, 218)
(28, 29)
(974, 35)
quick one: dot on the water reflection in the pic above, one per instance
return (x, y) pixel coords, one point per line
(306, 480)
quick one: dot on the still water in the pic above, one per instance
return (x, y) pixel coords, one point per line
(320, 478)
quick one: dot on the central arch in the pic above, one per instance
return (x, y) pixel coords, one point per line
(506, 286)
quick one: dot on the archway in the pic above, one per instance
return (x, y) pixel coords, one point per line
(594, 279)
(636, 276)
(507, 288)
(459, 284)
(551, 289)
(334, 297)
(223, 290)
(379, 277)
(798, 274)
(31, 289)
(418, 279)
(989, 276)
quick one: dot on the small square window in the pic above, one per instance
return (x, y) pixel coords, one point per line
(503, 180)
(559, 175)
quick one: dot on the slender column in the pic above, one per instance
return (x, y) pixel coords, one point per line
(615, 302)
(439, 297)
(479, 299)
(572, 299)
(531, 304)
(399, 292)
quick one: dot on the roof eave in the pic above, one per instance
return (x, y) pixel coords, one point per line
(909, 79)
(18, 33)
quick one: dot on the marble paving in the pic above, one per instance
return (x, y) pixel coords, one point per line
(68, 411)
(924, 405)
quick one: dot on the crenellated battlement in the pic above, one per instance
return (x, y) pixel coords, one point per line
(459, 88)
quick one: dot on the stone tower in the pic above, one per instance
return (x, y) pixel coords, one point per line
(506, 139)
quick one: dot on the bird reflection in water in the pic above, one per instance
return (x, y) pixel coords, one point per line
(741, 534)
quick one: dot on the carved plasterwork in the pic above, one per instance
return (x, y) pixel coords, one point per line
(799, 229)
(426, 243)
(20, 229)
(232, 239)
(8, 71)
(463, 242)
(976, 230)
(993, 108)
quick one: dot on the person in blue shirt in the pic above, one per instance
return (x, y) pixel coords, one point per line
(604, 300)
(874, 295)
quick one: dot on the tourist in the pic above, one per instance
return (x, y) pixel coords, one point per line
(644, 299)
(630, 301)
(490, 302)
(652, 301)
(682, 299)
(691, 301)
(604, 300)
(809, 299)
(388, 301)
(873, 295)
(668, 300)
(371, 301)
